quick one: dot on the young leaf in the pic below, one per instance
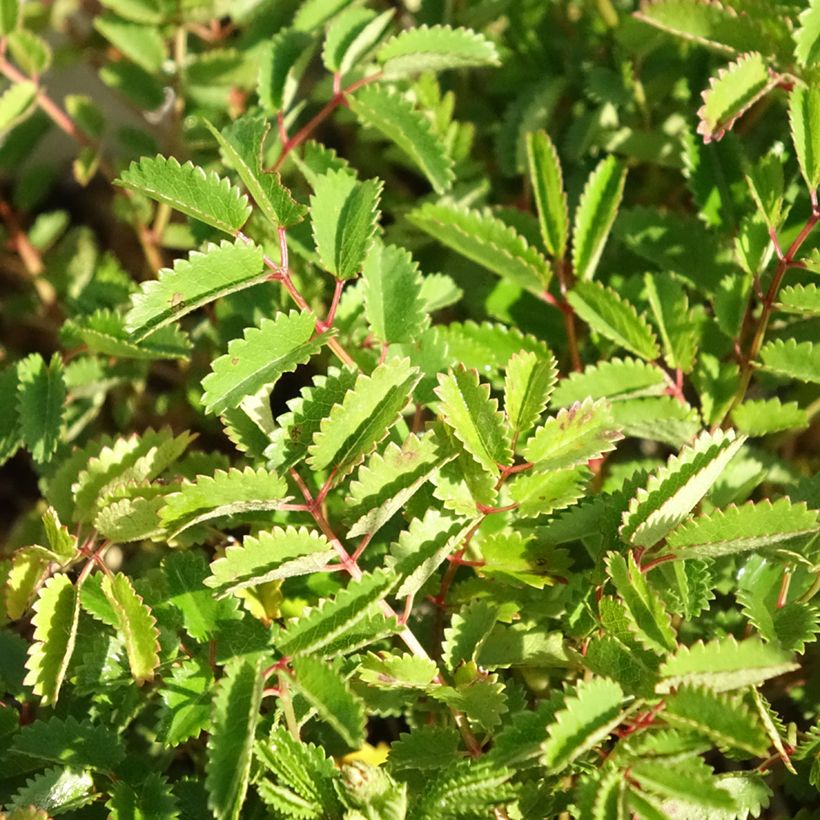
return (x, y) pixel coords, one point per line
(724, 664)
(674, 490)
(751, 526)
(363, 418)
(435, 49)
(281, 67)
(136, 624)
(194, 282)
(576, 435)
(789, 358)
(550, 197)
(589, 715)
(187, 188)
(345, 216)
(528, 385)
(606, 312)
(807, 36)
(56, 612)
(231, 739)
(393, 116)
(259, 359)
(28, 565)
(393, 302)
(763, 417)
(466, 406)
(731, 93)
(804, 118)
(487, 241)
(323, 687)
(351, 36)
(242, 144)
(595, 214)
(269, 556)
(41, 392)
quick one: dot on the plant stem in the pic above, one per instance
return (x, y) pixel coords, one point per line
(287, 706)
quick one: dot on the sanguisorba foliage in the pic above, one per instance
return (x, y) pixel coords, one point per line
(425, 436)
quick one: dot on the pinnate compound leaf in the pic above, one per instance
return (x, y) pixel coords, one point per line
(577, 434)
(616, 380)
(724, 719)
(268, 556)
(41, 393)
(263, 354)
(241, 144)
(731, 93)
(223, 493)
(550, 197)
(351, 36)
(194, 282)
(487, 241)
(607, 313)
(800, 299)
(332, 618)
(467, 407)
(797, 360)
(231, 739)
(760, 417)
(807, 36)
(363, 418)
(395, 117)
(324, 688)
(345, 215)
(187, 188)
(136, 624)
(56, 614)
(804, 118)
(528, 385)
(752, 526)
(724, 664)
(435, 49)
(674, 489)
(595, 214)
(393, 302)
(652, 622)
(590, 713)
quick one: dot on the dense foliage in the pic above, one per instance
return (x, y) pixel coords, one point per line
(406, 409)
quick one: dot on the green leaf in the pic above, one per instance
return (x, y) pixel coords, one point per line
(60, 541)
(590, 713)
(804, 118)
(576, 435)
(319, 627)
(187, 188)
(136, 624)
(764, 416)
(674, 489)
(72, 743)
(595, 214)
(30, 52)
(53, 791)
(691, 782)
(765, 181)
(259, 359)
(393, 302)
(281, 67)
(528, 385)
(467, 407)
(28, 565)
(751, 526)
(269, 556)
(616, 380)
(436, 48)
(731, 93)
(131, 519)
(351, 36)
(800, 299)
(194, 282)
(144, 44)
(222, 494)
(677, 328)
(550, 197)
(321, 685)
(16, 103)
(345, 217)
(41, 393)
(10, 435)
(56, 613)
(9, 16)
(807, 36)
(468, 630)
(363, 418)
(724, 664)
(653, 626)
(152, 799)
(186, 702)
(242, 144)
(789, 358)
(231, 738)
(607, 313)
(479, 785)
(540, 493)
(487, 241)
(388, 670)
(395, 117)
